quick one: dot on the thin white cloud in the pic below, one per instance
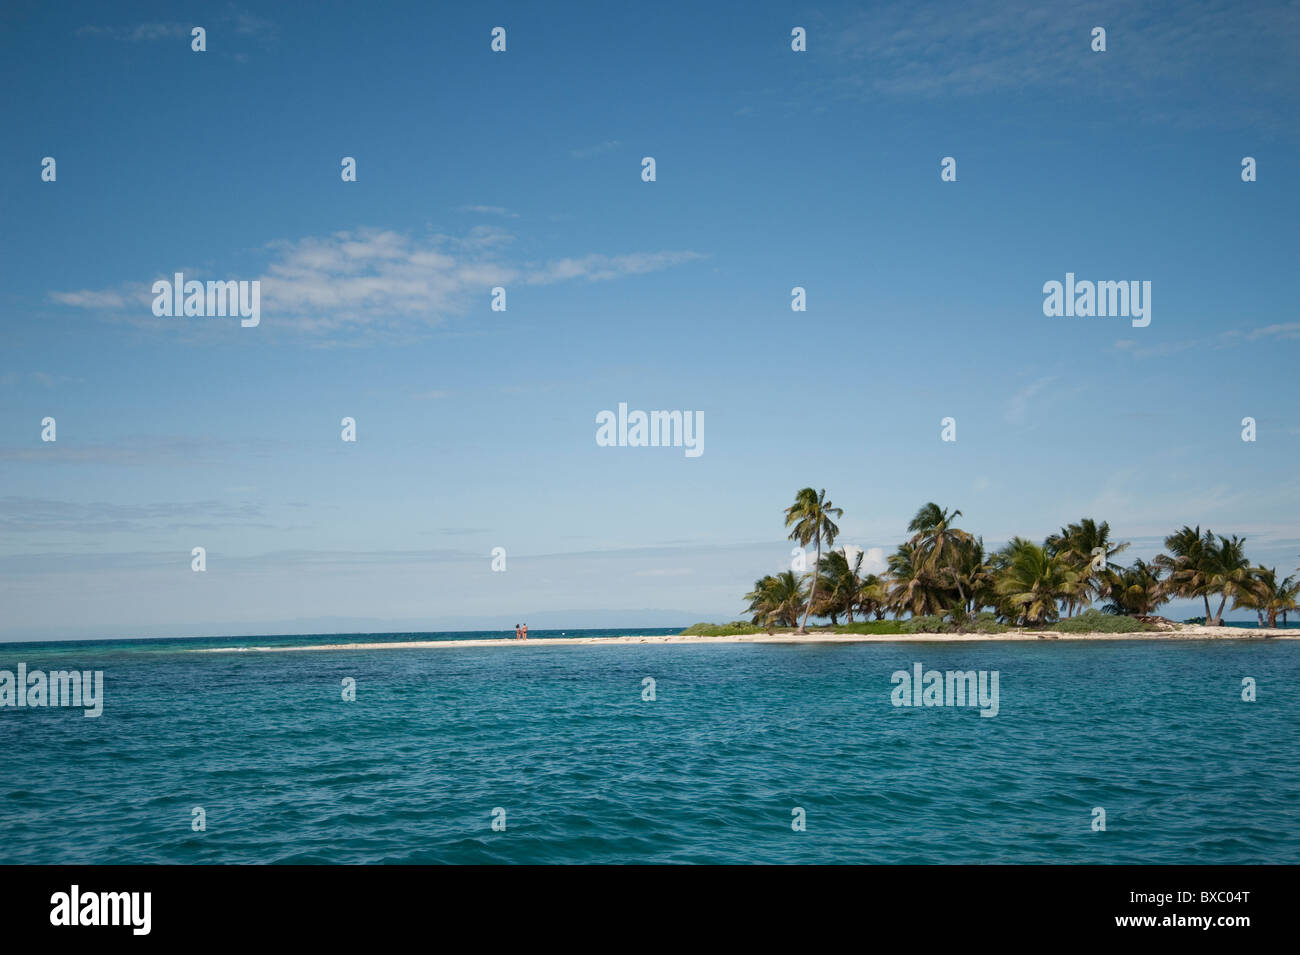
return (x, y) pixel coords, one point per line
(902, 49)
(233, 20)
(250, 25)
(491, 211)
(598, 268)
(1284, 330)
(588, 152)
(1018, 406)
(1281, 331)
(31, 514)
(87, 298)
(140, 33)
(383, 279)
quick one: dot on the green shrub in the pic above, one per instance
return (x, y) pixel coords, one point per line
(871, 626)
(982, 622)
(986, 622)
(1094, 621)
(734, 629)
(932, 623)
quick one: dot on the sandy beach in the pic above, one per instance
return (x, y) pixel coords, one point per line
(1181, 632)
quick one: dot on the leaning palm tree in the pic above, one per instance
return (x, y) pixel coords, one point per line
(760, 603)
(1032, 581)
(1232, 574)
(1256, 597)
(810, 516)
(777, 600)
(1288, 597)
(1268, 596)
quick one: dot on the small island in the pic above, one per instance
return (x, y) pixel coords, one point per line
(942, 581)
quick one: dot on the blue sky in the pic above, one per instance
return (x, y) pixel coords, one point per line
(523, 169)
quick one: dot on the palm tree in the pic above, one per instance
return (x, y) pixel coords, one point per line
(913, 589)
(841, 582)
(778, 599)
(1269, 596)
(935, 537)
(1263, 583)
(1231, 575)
(1032, 582)
(1085, 545)
(873, 597)
(1206, 564)
(1190, 563)
(1136, 590)
(810, 515)
(970, 575)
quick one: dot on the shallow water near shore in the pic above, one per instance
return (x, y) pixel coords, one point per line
(587, 771)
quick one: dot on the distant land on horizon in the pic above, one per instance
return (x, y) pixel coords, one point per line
(320, 626)
(326, 626)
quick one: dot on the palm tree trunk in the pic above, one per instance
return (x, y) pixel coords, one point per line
(1218, 615)
(1206, 598)
(812, 597)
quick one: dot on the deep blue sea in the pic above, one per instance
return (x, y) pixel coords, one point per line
(710, 771)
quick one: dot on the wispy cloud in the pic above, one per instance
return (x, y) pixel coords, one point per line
(1018, 406)
(232, 20)
(491, 211)
(600, 268)
(139, 33)
(103, 298)
(1281, 331)
(587, 152)
(42, 378)
(250, 25)
(28, 514)
(141, 451)
(382, 279)
(915, 50)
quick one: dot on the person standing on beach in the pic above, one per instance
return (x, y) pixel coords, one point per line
(525, 631)
(518, 635)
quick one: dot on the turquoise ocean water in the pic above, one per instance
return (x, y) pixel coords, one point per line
(586, 770)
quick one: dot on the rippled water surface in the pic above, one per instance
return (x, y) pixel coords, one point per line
(1155, 733)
